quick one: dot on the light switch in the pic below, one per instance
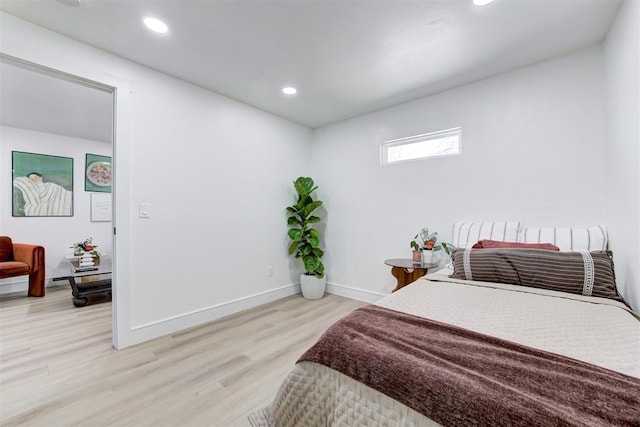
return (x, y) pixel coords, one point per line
(145, 210)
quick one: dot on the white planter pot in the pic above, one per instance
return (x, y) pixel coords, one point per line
(427, 257)
(312, 287)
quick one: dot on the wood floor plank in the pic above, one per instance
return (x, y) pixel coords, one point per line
(58, 368)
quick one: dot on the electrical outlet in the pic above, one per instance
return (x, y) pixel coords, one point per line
(269, 271)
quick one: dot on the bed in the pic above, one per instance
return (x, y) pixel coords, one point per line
(461, 347)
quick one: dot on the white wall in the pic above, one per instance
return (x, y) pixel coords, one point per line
(532, 151)
(621, 50)
(56, 234)
(218, 175)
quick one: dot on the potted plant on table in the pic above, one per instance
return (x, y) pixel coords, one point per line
(80, 248)
(305, 240)
(417, 250)
(87, 253)
(427, 242)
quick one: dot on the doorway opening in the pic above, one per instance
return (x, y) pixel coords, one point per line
(49, 114)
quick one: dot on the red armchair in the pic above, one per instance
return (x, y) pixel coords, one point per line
(20, 259)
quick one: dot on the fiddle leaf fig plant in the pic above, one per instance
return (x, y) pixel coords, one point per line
(305, 240)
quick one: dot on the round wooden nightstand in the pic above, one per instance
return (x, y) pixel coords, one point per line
(406, 271)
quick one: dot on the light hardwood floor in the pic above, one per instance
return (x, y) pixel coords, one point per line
(57, 366)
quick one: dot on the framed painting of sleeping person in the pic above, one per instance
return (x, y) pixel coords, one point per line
(42, 185)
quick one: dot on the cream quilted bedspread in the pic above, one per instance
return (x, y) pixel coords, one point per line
(595, 330)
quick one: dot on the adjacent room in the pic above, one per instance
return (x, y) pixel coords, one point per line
(194, 192)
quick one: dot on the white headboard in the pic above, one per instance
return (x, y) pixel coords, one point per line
(466, 234)
(567, 239)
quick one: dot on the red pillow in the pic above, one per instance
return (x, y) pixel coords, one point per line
(492, 244)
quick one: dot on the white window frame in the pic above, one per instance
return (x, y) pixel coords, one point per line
(457, 131)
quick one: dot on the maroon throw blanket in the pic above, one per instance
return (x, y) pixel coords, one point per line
(459, 377)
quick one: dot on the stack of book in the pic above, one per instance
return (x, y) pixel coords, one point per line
(85, 263)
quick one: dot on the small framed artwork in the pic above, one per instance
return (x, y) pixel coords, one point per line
(98, 173)
(100, 207)
(42, 185)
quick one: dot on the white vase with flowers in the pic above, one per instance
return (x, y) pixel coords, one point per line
(427, 242)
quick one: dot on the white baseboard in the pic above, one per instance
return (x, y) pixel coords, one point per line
(169, 325)
(14, 284)
(354, 293)
(21, 284)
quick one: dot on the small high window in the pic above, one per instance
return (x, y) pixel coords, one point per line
(428, 145)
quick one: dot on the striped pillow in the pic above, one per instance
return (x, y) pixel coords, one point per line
(585, 273)
(465, 234)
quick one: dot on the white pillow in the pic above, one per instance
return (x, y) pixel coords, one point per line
(567, 239)
(466, 234)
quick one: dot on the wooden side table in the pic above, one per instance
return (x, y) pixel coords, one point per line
(406, 271)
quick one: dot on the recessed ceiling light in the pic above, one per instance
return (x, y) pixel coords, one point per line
(289, 90)
(156, 25)
(481, 2)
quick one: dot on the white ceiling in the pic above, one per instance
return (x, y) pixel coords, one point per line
(345, 57)
(36, 100)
